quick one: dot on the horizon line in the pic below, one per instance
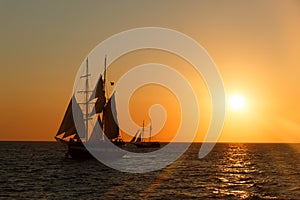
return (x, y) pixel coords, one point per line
(197, 142)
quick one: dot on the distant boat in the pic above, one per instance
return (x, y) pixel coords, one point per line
(68, 134)
(138, 141)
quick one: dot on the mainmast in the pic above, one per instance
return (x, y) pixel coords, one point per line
(105, 101)
(104, 80)
(109, 126)
(86, 102)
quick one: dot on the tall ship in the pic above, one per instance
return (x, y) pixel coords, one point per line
(104, 111)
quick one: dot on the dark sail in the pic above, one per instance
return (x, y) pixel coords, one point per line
(67, 126)
(135, 136)
(67, 122)
(111, 128)
(99, 93)
(96, 134)
(139, 139)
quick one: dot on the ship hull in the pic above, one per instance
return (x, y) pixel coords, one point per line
(77, 150)
(147, 145)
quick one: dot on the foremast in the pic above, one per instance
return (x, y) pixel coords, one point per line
(86, 100)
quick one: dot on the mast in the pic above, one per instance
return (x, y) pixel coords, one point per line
(105, 99)
(87, 101)
(143, 131)
(150, 130)
(104, 79)
(109, 125)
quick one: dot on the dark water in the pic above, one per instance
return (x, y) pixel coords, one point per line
(230, 171)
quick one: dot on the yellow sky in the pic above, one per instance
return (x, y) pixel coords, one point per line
(255, 44)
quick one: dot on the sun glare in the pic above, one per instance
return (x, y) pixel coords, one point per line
(237, 102)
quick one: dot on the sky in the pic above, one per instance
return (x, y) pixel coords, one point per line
(255, 45)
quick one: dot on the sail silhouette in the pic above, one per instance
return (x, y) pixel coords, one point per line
(67, 127)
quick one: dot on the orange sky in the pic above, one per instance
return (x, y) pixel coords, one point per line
(255, 44)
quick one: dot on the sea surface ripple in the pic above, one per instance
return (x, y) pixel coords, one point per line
(39, 170)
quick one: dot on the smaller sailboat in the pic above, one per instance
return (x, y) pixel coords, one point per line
(138, 141)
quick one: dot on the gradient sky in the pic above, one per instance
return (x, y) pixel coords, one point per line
(255, 44)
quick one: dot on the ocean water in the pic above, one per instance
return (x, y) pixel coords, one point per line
(39, 170)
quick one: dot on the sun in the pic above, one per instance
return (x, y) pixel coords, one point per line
(237, 102)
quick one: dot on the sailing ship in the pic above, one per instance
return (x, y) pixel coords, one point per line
(104, 110)
(138, 141)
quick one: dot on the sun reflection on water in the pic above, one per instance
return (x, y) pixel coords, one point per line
(234, 172)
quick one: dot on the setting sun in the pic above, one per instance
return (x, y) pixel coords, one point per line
(237, 102)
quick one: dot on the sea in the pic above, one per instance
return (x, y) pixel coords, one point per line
(40, 170)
